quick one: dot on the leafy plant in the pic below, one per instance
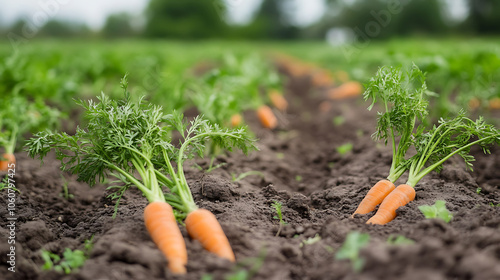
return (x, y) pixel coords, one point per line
(65, 193)
(246, 174)
(279, 216)
(310, 240)
(70, 261)
(344, 149)
(351, 247)
(399, 240)
(438, 210)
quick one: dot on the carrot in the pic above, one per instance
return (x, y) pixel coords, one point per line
(375, 196)
(267, 117)
(236, 120)
(278, 100)
(346, 90)
(161, 225)
(202, 225)
(397, 198)
(474, 103)
(494, 103)
(322, 79)
(9, 159)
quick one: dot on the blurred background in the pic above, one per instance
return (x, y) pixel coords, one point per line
(338, 20)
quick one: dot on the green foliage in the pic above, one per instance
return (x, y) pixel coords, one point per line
(345, 148)
(351, 247)
(401, 93)
(450, 137)
(399, 240)
(70, 261)
(279, 215)
(438, 210)
(246, 174)
(122, 137)
(310, 240)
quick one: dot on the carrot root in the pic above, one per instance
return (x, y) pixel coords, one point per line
(162, 227)
(9, 159)
(278, 100)
(267, 117)
(236, 120)
(401, 196)
(346, 90)
(375, 196)
(203, 226)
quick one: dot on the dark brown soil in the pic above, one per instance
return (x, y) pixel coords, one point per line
(319, 189)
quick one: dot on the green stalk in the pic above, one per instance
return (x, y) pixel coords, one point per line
(11, 145)
(414, 178)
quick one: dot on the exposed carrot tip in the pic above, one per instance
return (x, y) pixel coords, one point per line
(325, 106)
(6, 160)
(267, 117)
(278, 100)
(494, 103)
(177, 267)
(346, 90)
(474, 103)
(236, 120)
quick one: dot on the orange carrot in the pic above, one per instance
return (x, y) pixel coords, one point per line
(322, 79)
(374, 197)
(494, 103)
(346, 90)
(202, 225)
(6, 160)
(278, 100)
(267, 117)
(161, 225)
(397, 198)
(236, 120)
(474, 103)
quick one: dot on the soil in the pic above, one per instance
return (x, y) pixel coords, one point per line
(301, 168)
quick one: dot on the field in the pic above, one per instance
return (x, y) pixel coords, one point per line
(319, 163)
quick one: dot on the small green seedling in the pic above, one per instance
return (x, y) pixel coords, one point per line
(344, 149)
(438, 210)
(494, 205)
(478, 190)
(298, 178)
(338, 121)
(277, 206)
(310, 240)
(399, 240)
(280, 155)
(71, 260)
(244, 175)
(353, 244)
(65, 193)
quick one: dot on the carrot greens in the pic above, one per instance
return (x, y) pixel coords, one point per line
(402, 97)
(123, 137)
(450, 137)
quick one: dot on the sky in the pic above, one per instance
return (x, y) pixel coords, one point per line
(94, 12)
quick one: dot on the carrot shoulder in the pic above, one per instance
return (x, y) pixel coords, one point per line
(346, 90)
(161, 225)
(267, 117)
(375, 196)
(397, 198)
(203, 226)
(278, 100)
(236, 120)
(6, 160)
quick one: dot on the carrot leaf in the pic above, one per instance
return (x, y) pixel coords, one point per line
(438, 210)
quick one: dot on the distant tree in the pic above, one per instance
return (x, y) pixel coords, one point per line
(373, 18)
(274, 21)
(63, 29)
(185, 19)
(484, 16)
(118, 25)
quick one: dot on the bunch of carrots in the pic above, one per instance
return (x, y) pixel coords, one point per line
(124, 138)
(402, 95)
